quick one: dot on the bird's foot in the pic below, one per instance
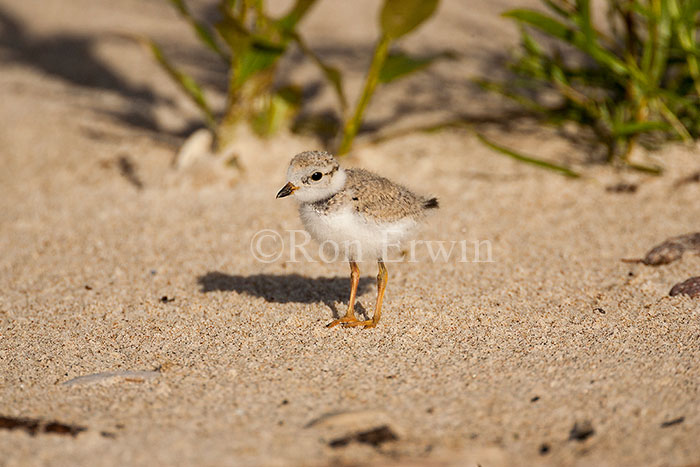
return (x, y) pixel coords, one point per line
(367, 324)
(345, 320)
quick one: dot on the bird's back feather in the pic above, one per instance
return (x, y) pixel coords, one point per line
(377, 198)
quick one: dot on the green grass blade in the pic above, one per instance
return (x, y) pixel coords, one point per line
(645, 168)
(634, 128)
(400, 64)
(208, 39)
(202, 31)
(557, 9)
(352, 125)
(183, 80)
(259, 56)
(664, 37)
(277, 109)
(568, 34)
(584, 14)
(672, 119)
(289, 21)
(542, 22)
(649, 45)
(399, 17)
(528, 159)
(233, 33)
(683, 19)
(530, 44)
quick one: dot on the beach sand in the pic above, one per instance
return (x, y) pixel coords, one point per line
(113, 263)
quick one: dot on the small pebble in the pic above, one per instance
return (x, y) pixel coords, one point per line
(581, 431)
(34, 426)
(127, 169)
(366, 426)
(675, 421)
(374, 437)
(693, 178)
(689, 287)
(622, 188)
(672, 249)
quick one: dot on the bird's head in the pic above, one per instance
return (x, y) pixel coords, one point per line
(313, 176)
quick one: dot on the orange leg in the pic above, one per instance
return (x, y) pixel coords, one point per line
(382, 279)
(354, 281)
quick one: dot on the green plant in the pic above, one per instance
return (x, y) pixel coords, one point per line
(397, 18)
(633, 80)
(250, 43)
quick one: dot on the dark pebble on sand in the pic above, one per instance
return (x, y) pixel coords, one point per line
(689, 287)
(581, 431)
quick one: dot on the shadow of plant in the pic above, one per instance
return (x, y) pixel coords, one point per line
(67, 56)
(73, 59)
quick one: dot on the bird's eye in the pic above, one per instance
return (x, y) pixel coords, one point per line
(316, 176)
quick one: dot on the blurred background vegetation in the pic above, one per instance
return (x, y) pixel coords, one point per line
(628, 77)
(251, 44)
(632, 80)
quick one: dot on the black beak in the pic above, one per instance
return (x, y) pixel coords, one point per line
(286, 190)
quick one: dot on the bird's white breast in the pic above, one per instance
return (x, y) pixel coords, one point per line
(357, 237)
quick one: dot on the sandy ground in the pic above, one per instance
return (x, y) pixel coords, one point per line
(489, 363)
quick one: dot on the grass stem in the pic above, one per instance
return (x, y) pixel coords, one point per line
(353, 125)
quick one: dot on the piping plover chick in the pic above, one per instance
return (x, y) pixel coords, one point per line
(357, 213)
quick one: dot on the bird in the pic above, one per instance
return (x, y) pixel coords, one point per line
(359, 213)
